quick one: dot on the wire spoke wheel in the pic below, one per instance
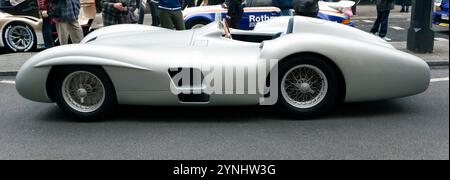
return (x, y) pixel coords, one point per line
(304, 86)
(83, 91)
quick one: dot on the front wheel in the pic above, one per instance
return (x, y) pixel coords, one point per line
(85, 92)
(19, 37)
(308, 87)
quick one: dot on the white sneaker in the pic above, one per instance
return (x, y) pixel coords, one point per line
(386, 38)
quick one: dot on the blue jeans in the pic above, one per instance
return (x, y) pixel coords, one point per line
(47, 32)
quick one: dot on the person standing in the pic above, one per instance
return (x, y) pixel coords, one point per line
(170, 14)
(129, 17)
(405, 5)
(112, 11)
(46, 10)
(66, 16)
(284, 5)
(154, 11)
(309, 8)
(142, 7)
(380, 26)
(235, 13)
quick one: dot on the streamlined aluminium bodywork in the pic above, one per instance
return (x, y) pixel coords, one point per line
(137, 65)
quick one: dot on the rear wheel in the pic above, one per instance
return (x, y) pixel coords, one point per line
(19, 37)
(308, 87)
(85, 92)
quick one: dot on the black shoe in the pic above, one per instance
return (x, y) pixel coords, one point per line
(403, 10)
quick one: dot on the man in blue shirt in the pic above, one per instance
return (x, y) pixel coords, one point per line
(170, 14)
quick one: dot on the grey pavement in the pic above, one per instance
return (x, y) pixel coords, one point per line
(415, 127)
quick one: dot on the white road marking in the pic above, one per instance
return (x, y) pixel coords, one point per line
(439, 79)
(397, 28)
(7, 82)
(440, 39)
(368, 21)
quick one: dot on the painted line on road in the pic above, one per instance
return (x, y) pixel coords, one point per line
(440, 39)
(368, 21)
(397, 28)
(7, 82)
(439, 79)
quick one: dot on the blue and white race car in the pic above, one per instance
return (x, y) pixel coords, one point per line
(196, 17)
(440, 16)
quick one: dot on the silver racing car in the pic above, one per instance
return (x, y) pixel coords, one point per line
(300, 65)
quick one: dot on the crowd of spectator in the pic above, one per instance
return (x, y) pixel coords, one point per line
(63, 14)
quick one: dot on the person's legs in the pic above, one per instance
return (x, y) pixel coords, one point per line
(141, 14)
(177, 19)
(75, 31)
(354, 8)
(384, 23)
(155, 13)
(47, 32)
(376, 25)
(166, 19)
(63, 36)
(402, 3)
(236, 22)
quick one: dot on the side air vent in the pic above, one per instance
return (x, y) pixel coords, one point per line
(194, 98)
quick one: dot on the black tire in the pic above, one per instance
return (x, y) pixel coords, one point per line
(191, 24)
(110, 95)
(326, 104)
(26, 29)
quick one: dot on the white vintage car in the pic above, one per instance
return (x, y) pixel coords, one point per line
(21, 24)
(303, 66)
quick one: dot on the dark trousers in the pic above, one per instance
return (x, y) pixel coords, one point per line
(47, 32)
(381, 24)
(141, 14)
(235, 22)
(405, 5)
(171, 19)
(153, 10)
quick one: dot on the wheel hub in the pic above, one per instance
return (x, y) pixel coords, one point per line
(304, 87)
(82, 93)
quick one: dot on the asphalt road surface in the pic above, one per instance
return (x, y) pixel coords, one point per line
(415, 127)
